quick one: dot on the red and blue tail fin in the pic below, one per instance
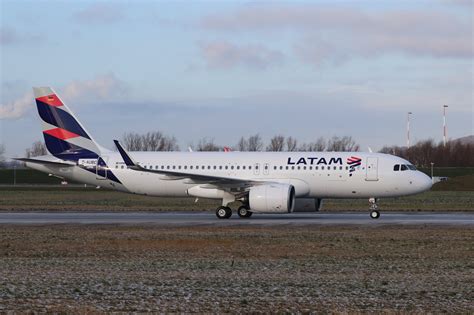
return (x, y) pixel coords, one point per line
(64, 135)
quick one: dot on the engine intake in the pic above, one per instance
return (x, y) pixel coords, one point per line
(272, 198)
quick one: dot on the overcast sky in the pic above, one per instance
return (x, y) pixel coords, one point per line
(222, 69)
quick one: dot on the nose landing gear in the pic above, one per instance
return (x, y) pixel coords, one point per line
(374, 213)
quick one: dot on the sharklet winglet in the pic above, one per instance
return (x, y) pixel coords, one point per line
(125, 156)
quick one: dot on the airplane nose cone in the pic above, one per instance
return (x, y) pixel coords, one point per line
(424, 182)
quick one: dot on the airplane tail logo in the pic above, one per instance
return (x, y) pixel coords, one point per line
(64, 135)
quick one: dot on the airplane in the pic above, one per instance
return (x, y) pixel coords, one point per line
(263, 182)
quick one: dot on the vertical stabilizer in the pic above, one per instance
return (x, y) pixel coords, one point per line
(64, 135)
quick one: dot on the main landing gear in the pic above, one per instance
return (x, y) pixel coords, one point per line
(374, 213)
(244, 212)
(224, 212)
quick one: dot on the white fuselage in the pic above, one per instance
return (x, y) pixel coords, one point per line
(313, 174)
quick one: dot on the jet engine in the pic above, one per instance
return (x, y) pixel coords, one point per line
(272, 198)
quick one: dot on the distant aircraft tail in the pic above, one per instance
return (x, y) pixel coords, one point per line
(64, 135)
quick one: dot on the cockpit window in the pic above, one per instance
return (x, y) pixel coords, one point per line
(411, 167)
(404, 167)
(396, 167)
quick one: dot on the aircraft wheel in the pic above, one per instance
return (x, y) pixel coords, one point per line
(374, 214)
(223, 212)
(244, 212)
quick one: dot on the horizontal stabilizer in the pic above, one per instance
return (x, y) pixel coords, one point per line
(44, 162)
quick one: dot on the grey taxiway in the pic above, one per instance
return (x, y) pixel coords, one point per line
(188, 218)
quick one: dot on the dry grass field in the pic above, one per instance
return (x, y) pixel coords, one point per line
(90, 268)
(91, 199)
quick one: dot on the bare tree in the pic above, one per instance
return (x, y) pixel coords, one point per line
(37, 148)
(151, 141)
(132, 141)
(425, 152)
(277, 143)
(291, 144)
(242, 145)
(169, 144)
(207, 144)
(344, 144)
(317, 146)
(255, 143)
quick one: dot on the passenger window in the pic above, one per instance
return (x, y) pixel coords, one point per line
(167, 167)
(179, 167)
(215, 167)
(232, 167)
(310, 168)
(274, 167)
(243, 167)
(304, 167)
(281, 167)
(298, 167)
(292, 167)
(340, 168)
(250, 167)
(404, 167)
(396, 167)
(322, 167)
(185, 167)
(174, 166)
(220, 167)
(226, 167)
(266, 167)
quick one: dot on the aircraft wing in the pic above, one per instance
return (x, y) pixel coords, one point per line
(222, 182)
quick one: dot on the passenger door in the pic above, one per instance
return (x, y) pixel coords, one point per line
(371, 169)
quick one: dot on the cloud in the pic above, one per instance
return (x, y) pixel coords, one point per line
(100, 13)
(222, 54)
(340, 33)
(10, 36)
(104, 88)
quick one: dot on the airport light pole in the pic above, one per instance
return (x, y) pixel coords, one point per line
(408, 129)
(445, 131)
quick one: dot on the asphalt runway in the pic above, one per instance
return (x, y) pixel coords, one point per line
(188, 218)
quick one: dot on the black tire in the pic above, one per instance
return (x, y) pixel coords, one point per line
(223, 212)
(244, 212)
(374, 214)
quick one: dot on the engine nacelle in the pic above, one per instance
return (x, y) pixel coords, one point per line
(307, 204)
(272, 198)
